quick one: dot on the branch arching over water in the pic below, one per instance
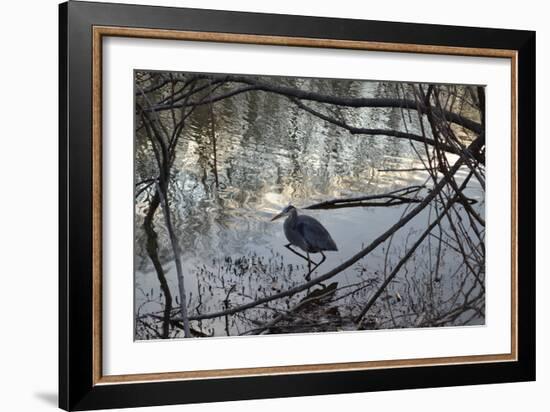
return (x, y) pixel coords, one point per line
(356, 102)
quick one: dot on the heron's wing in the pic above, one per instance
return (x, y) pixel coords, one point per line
(315, 234)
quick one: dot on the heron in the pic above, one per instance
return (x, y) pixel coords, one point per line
(306, 233)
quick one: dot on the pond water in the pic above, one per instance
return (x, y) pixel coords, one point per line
(269, 153)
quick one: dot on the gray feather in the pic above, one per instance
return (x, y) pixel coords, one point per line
(308, 233)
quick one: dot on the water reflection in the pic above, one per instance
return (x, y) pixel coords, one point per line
(269, 153)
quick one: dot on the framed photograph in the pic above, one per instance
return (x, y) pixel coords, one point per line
(257, 205)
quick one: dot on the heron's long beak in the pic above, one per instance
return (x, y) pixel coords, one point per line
(277, 216)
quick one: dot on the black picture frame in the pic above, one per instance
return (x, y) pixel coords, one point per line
(77, 390)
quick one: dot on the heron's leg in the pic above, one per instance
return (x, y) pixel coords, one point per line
(296, 252)
(308, 276)
(309, 261)
(320, 262)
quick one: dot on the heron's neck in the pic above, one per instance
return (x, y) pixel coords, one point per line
(291, 219)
